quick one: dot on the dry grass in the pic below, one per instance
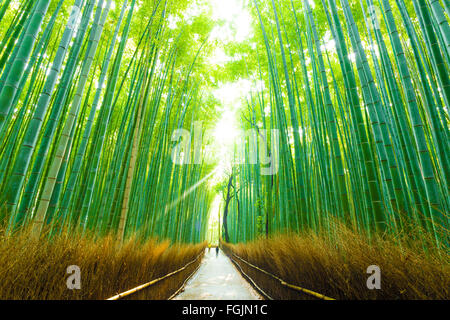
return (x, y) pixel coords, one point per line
(338, 268)
(37, 270)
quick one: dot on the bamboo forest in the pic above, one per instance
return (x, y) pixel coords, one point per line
(295, 148)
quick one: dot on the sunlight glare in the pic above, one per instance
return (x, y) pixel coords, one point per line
(237, 20)
(227, 129)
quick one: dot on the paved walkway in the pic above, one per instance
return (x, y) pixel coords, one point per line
(217, 279)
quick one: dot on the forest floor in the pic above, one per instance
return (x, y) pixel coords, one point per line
(217, 279)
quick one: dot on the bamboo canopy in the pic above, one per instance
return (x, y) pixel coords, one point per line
(348, 117)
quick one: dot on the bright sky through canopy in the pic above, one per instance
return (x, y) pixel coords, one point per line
(237, 21)
(234, 25)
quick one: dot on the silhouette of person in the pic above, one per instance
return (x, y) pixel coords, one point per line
(217, 251)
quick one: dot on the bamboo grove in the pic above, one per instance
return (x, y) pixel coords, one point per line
(86, 114)
(350, 98)
(371, 149)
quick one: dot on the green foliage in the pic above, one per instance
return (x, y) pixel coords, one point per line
(359, 96)
(86, 142)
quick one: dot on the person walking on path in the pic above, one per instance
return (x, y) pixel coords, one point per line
(217, 251)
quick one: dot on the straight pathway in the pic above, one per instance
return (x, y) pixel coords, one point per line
(217, 279)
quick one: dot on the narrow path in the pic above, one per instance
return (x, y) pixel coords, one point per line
(217, 279)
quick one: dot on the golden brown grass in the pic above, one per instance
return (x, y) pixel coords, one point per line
(338, 268)
(37, 270)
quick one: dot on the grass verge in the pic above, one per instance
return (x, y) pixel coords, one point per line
(38, 270)
(338, 268)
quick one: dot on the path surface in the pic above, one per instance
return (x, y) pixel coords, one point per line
(217, 279)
